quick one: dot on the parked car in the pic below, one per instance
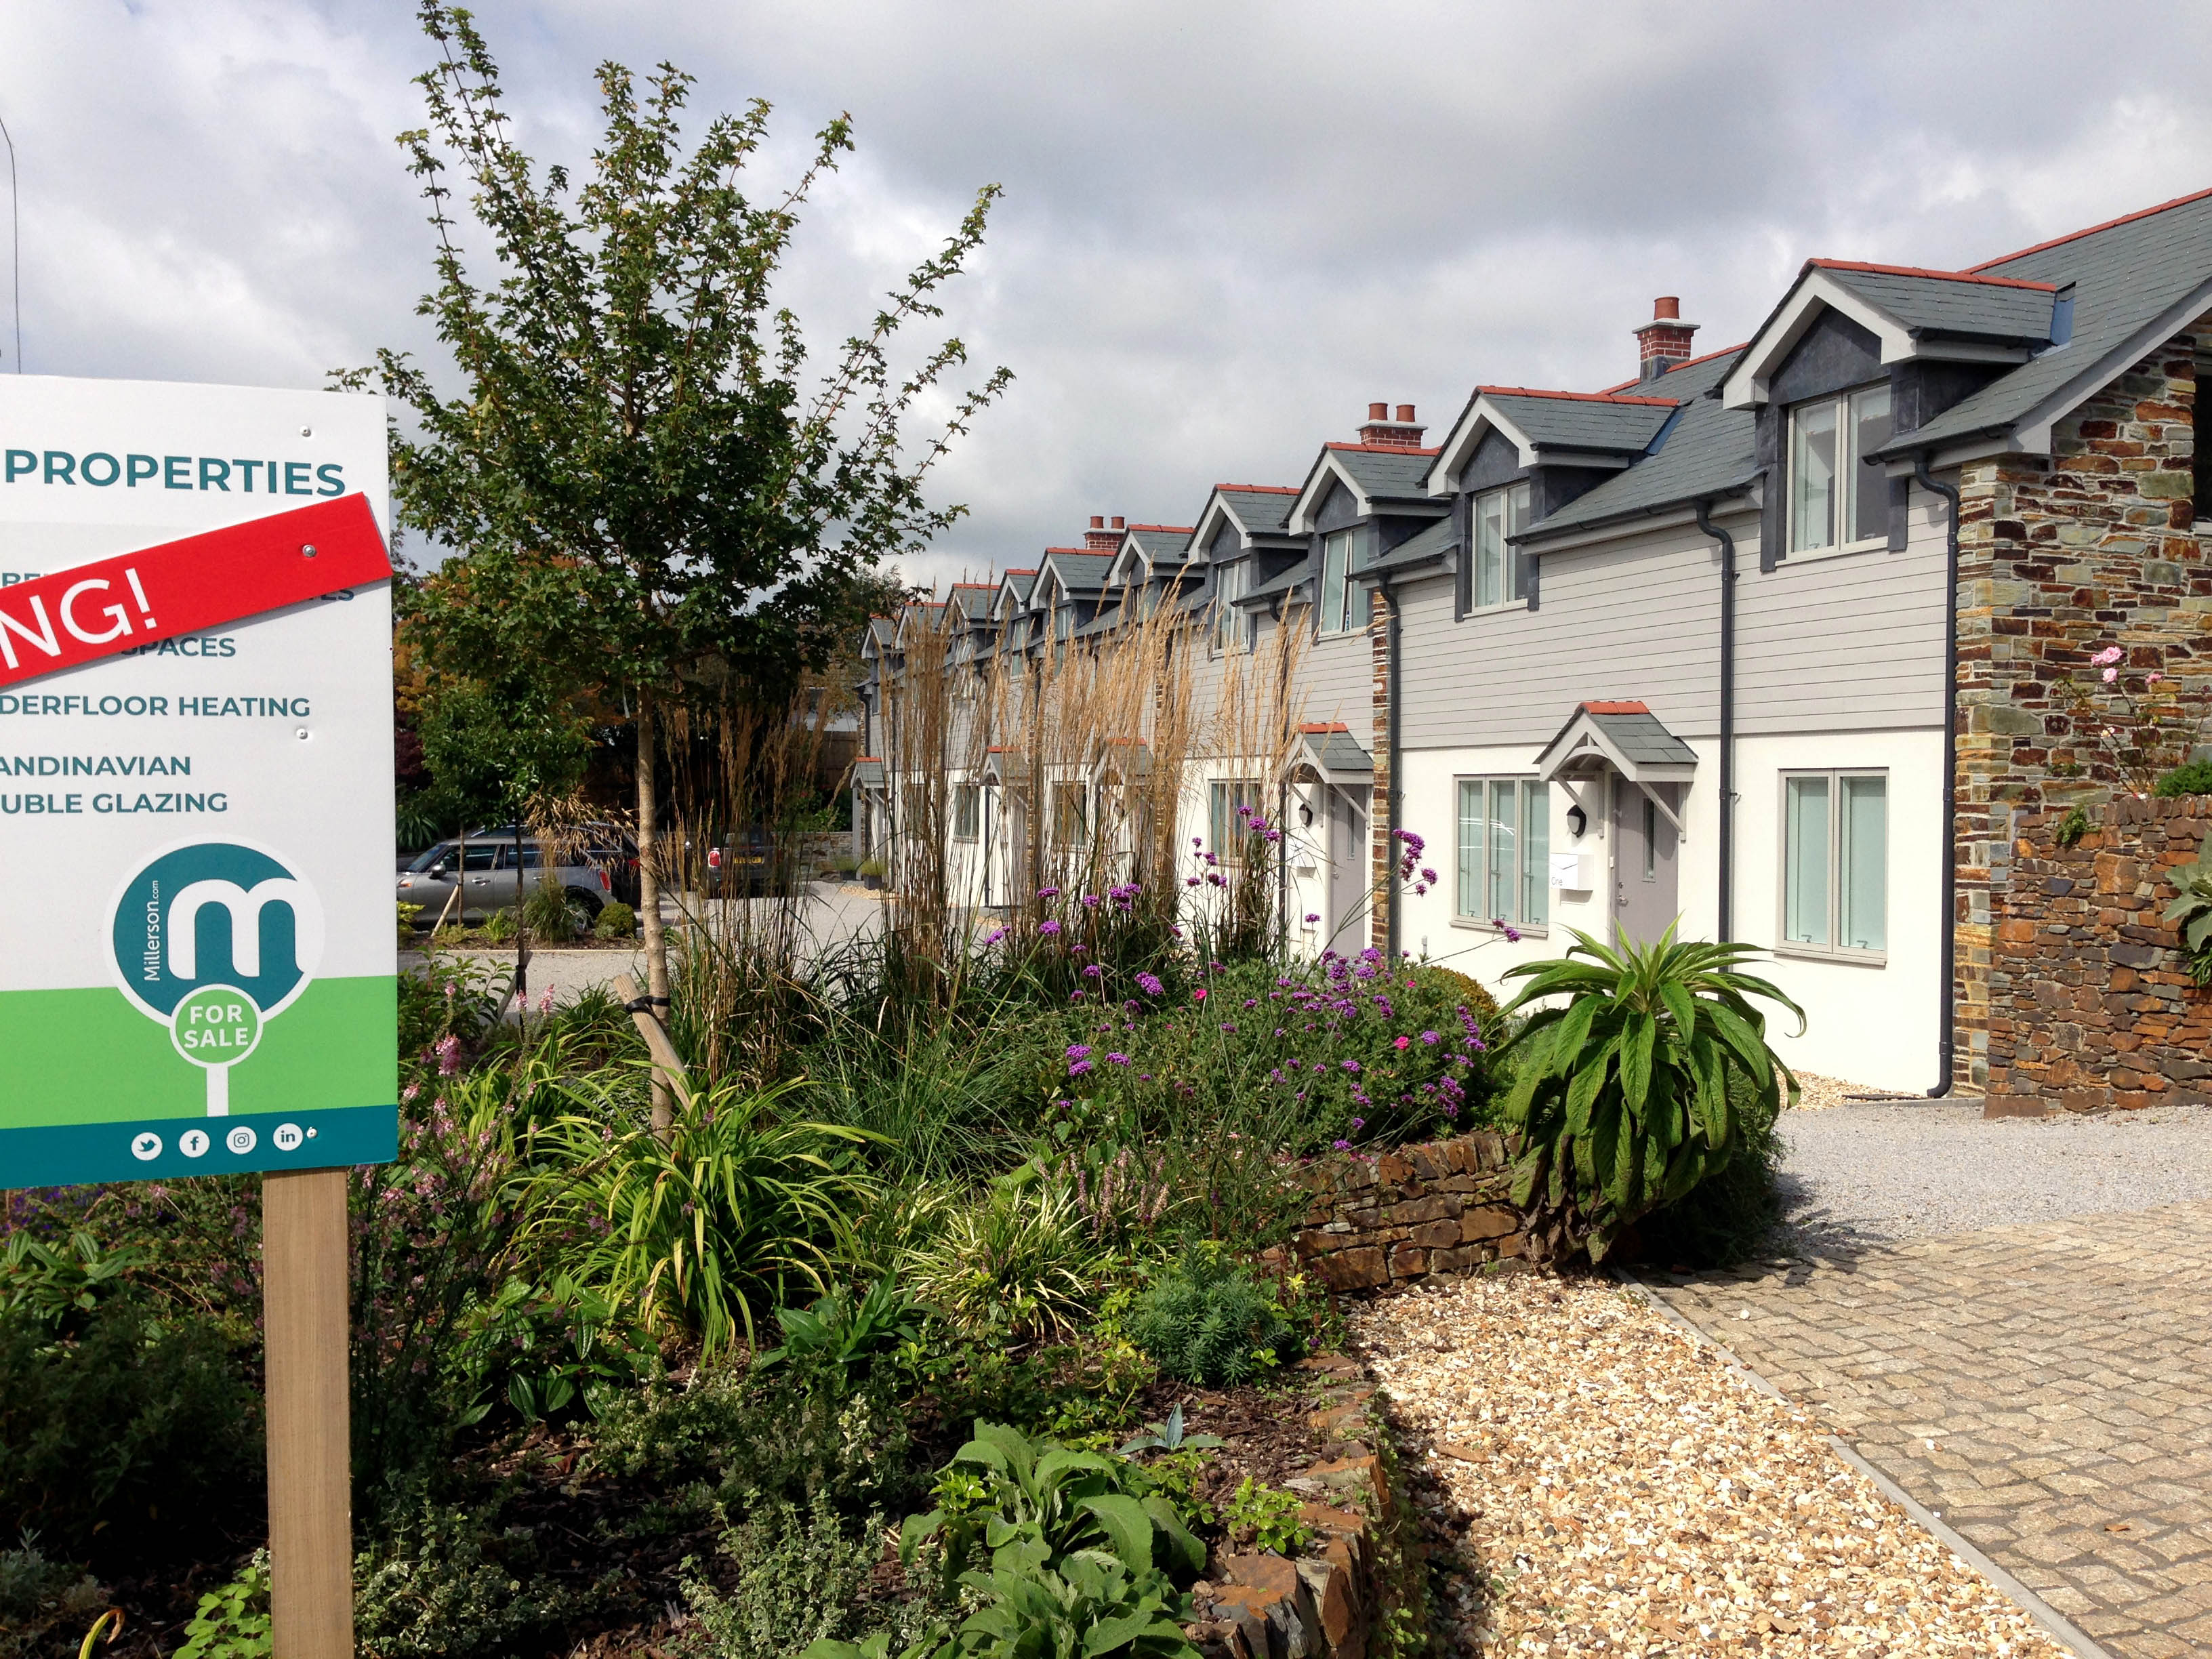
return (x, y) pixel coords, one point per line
(753, 865)
(490, 877)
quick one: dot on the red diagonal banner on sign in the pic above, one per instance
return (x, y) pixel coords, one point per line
(94, 610)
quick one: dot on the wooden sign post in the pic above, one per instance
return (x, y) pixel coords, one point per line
(196, 678)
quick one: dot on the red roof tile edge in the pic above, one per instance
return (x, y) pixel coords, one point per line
(1576, 396)
(1616, 709)
(2076, 235)
(1261, 489)
(1383, 449)
(1922, 271)
(1686, 363)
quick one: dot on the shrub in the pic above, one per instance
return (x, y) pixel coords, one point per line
(135, 1439)
(1267, 1518)
(1622, 1094)
(617, 920)
(408, 914)
(499, 927)
(232, 1621)
(2192, 777)
(1208, 1322)
(42, 1601)
(1020, 1264)
(1726, 1217)
(446, 1583)
(2190, 913)
(693, 1231)
(800, 1577)
(869, 868)
(548, 915)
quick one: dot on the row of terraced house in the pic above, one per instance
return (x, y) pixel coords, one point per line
(1766, 642)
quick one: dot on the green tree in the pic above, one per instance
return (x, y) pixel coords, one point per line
(643, 499)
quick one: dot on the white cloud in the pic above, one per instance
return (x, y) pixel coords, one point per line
(1227, 228)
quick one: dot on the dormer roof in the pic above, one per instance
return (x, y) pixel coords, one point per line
(1580, 429)
(1379, 477)
(1252, 511)
(1147, 547)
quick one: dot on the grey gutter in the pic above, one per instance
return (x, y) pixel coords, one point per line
(1629, 515)
(1946, 992)
(1727, 715)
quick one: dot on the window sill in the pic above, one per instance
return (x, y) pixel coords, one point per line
(1814, 555)
(1532, 930)
(1846, 959)
(1500, 608)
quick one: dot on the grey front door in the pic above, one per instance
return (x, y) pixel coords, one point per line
(1644, 862)
(1349, 876)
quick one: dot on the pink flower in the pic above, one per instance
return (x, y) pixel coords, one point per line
(2155, 678)
(2110, 674)
(1198, 996)
(1401, 1042)
(2111, 653)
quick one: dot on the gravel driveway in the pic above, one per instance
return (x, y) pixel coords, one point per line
(1863, 1173)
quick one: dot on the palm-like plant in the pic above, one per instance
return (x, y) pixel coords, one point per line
(1625, 1095)
(2192, 913)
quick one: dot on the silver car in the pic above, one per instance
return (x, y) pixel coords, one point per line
(490, 877)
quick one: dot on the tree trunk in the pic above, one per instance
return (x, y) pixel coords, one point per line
(648, 892)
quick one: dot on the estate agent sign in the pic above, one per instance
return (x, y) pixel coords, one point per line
(197, 937)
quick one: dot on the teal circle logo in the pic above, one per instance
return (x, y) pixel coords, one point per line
(213, 941)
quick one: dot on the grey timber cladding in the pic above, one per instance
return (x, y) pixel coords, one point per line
(2124, 277)
(1336, 679)
(1937, 305)
(1708, 450)
(1584, 422)
(1424, 546)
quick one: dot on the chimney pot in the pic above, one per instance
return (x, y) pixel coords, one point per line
(1667, 307)
(1118, 524)
(1378, 411)
(1405, 414)
(1665, 340)
(1099, 521)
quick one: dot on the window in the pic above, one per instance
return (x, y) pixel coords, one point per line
(1505, 851)
(1835, 861)
(1071, 815)
(1225, 823)
(1063, 621)
(1232, 628)
(1497, 566)
(1337, 586)
(1835, 500)
(967, 811)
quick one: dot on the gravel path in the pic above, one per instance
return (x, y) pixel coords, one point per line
(1616, 1490)
(1862, 1173)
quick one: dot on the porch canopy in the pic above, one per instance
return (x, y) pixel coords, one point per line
(1326, 752)
(1626, 738)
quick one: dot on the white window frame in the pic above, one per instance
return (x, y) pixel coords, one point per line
(1342, 585)
(1511, 588)
(1832, 950)
(967, 811)
(1232, 628)
(1532, 871)
(1851, 476)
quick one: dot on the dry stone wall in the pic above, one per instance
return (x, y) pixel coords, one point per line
(1443, 1207)
(2091, 1007)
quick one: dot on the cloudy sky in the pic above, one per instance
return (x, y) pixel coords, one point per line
(1227, 226)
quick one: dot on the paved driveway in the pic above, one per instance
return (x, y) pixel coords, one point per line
(2045, 1387)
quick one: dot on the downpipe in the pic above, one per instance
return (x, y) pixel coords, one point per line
(1946, 992)
(1397, 790)
(1727, 837)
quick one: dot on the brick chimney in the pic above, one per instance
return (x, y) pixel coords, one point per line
(1380, 429)
(1664, 341)
(1100, 539)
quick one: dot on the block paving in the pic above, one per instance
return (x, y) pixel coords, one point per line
(2046, 1389)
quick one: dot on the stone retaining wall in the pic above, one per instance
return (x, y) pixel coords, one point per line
(2091, 1004)
(1443, 1207)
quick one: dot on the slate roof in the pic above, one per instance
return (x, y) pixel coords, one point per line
(974, 598)
(1284, 581)
(1077, 570)
(1709, 450)
(1631, 729)
(1261, 509)
(868, 773)
(1950, 303)
(1555, 420)
(2124, 275)
(1162, 543)
(1379, 470)
(1425, 546)
(1333, 749)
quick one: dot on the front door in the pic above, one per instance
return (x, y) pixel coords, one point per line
(1349, 876)
(1644, 861)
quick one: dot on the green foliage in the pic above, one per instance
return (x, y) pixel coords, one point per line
(499, 928)
(617, 920)
(842, 1338)
(1727, 1217)
(802, 1576)
(2071, 828)
(232, 1621)
(448, 996)
(407, 915)
(2190, 778)
(870, 869)
(57, 1286)
(1269, 1517)
(1209, 1322)
(445, 1582)
(1622, 1093)
(1019, 1263)
(492, 746)
(545, 1348)
(552, 917)
(1092, 1603)
(41, 1601)
(696, 1231)
(2190, 913)
(1170, 1436)
(130, 1438)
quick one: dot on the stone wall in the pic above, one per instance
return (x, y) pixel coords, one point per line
(2058, 558)
(2091, 1007)
(1439, 1208)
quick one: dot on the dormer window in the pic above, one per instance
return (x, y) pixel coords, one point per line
(1499, 578)
(1336, 582)
(1231, 627)
(1835, 500)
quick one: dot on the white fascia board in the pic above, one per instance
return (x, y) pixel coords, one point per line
(2033, 431)
(1326, 469)
(1481, 418)
(1201, 538)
